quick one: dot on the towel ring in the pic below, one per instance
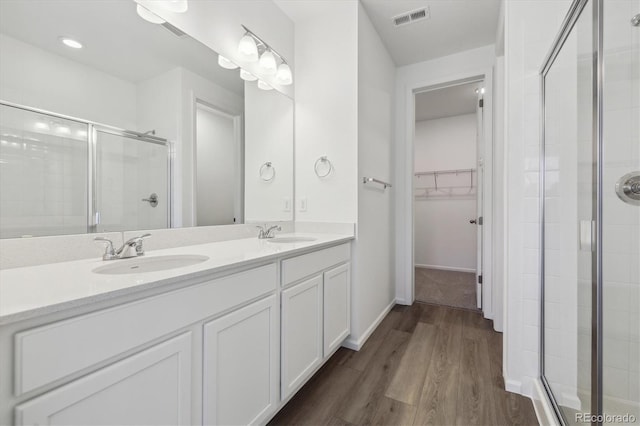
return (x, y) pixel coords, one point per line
(267, 171)
(327, 165)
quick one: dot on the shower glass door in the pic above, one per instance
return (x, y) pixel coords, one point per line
(568, 191)
(131, 182)
(590, 180)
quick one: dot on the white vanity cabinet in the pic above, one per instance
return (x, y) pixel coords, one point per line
(241, 363)
(152, 387)
(316, 312)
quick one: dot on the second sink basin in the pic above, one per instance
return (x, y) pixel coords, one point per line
(291, 239)
(150, 264)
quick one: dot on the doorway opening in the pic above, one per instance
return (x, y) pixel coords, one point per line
(218, 163)
(447, 194)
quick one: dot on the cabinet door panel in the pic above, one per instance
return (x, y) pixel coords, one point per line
(301, 333)
(337, 307)
(241, 365)
(152, 387)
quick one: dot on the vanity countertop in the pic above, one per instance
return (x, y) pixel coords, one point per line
(33, 291)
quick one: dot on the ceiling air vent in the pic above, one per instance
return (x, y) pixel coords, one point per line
(411, 17)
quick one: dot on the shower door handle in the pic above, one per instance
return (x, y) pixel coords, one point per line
(152, 200)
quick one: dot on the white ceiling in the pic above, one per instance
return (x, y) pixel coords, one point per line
(116, 40)
(447, 102)
(454, 26)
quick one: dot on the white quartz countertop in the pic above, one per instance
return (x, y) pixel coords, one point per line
(37, 290)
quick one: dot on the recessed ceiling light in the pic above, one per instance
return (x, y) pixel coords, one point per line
(69, 42)
(40, 125)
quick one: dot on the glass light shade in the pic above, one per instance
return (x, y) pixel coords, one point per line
(268, 64)
(177, 6)
(226, 63)
(264, 86)
(283, 76)
(148, 16)
(247, 76)
(248, 49)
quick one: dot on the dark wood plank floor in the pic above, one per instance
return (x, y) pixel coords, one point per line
(424, 365)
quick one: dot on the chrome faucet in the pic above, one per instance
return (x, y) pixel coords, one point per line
(267, 232)
(131, 248)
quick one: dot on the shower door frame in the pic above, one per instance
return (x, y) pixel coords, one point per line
(92, 129)
(574, 13)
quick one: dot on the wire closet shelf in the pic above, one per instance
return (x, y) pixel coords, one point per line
(458, 183)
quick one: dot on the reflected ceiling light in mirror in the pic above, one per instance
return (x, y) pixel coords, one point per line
(81, 133)
(247, 76)
(148, 16)
(268, 64)
(248, 48)
(177, 6)
(41, 125)
(226, 63)
(283, 76)
(69, 42)
(63, 130)
(264, 86)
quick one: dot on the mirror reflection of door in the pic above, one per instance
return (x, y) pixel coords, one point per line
(218, 160)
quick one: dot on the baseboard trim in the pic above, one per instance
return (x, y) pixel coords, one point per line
(542, 405)
(445, 268)
(356, 345)
(514, 386)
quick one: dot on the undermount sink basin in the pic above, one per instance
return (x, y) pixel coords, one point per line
(291, 239)
(149, 264)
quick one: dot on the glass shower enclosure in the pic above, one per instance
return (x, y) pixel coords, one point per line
(590, 215)
(60, 175)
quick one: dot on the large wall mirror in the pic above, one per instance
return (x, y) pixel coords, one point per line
(110, 122)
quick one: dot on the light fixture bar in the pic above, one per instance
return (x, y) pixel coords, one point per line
(262, 44)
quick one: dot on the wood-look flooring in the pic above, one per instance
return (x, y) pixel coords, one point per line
(424, 365)
(451, 288)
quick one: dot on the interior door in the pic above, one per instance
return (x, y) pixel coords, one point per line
(217, 167)
(479, 196)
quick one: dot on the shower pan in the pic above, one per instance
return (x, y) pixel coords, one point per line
(590, 215)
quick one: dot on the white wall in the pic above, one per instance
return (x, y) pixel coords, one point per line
(268, 138)
(217, 24)
(326, 112)
(443, 237)
(373, 290)
(34, 77)
(529, 32)
(473, 62)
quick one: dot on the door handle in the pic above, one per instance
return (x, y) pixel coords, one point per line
(473, 221)
(152, 200)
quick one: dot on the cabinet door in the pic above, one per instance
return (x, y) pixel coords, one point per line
(337, 307)
(241, 365)
(301, 333)
(152, 387)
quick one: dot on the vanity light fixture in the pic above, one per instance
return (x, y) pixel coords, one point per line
(148, 16)
(226, 63)
(248, 48)
(268, 63)
(264, 86)
(69, 42)
(252, 48)
(177, 6)
(247, 76)
(283, 76)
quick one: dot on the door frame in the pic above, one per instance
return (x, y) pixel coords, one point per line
(237, 135)
(404, 195)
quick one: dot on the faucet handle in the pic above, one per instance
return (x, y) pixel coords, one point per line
(109, 251)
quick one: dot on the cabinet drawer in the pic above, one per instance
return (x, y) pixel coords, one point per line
(299, 267)
(50, 353)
